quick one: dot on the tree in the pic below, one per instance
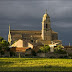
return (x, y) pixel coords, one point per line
(47, 48)
(59, 50)
(44, 49)
(33, 53)
(12, 53)
(1, 39)
(2, 52)
(3, 44)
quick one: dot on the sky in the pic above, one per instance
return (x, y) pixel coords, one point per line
(27, 15)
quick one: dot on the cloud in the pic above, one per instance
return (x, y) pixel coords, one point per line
(22, 14)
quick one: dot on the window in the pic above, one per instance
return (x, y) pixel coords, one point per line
(31, 40)
(46, 26)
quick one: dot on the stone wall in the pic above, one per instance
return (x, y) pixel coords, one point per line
(68, 49)
(50, 55)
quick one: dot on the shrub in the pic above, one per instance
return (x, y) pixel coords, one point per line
(3, 44)
(1, 39)
(70, 55)
(2, 52)
(66, 57)
(61, 57)
(44, 49)
(12, 53)
(33, 53)
(52, 57)
(59, 50)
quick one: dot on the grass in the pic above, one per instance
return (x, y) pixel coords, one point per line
(35, 64)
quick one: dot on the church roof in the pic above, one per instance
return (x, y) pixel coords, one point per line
(24, 31)
(54, 31)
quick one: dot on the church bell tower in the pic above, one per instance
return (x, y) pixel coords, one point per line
(46, 27)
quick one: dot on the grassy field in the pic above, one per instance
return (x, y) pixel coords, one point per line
(35, 64)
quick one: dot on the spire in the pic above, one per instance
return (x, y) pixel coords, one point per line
(9, 36)
(46, 11)
(9, 29)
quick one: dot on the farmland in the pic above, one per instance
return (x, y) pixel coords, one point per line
(35, 64)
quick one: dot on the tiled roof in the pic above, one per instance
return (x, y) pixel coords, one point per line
(25, 31)
(19, 49)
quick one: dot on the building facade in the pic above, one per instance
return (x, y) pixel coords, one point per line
(43, 37)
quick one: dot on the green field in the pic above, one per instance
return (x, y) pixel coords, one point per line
(35, 64)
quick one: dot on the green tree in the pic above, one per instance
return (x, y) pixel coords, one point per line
(33, 53)
(59, 50)
(3, 44)
(2, 52)
(12, 53)
(1, 39)
(47, 48)
(44, 49)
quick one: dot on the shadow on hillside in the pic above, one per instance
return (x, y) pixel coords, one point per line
(38, 68)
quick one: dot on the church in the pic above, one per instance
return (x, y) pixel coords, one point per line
(31, 38)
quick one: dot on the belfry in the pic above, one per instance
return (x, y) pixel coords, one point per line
(46, 27)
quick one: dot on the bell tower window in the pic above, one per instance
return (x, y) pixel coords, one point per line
(46, 26)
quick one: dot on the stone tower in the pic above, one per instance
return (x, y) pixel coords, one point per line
(9, 36)
(46, 27)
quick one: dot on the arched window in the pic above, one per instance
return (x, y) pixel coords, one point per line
(32, 41)
(46, 26)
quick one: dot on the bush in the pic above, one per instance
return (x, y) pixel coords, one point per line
(61, 57)
(70, 55)
(1, 39)
(44, 49)
(4, 44)
(66, 57)
(12, 53)
(2, 52)
(59, 50)
(33, 53)
(52, 57)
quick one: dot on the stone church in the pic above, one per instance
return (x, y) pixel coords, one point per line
(43, 37)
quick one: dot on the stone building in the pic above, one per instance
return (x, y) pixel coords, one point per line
(35, 38)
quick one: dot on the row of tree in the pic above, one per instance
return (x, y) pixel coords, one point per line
(59, 49)
(4, 47)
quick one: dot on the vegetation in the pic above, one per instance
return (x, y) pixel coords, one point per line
(12, 53)
(33, 53)
(59, 49)
(44, 49)
(3, 46)
(35, 64)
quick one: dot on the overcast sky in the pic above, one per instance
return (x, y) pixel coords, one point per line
(27, 15)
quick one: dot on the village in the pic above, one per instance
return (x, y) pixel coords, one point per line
(29, 43)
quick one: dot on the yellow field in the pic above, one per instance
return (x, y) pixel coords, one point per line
(35, 64)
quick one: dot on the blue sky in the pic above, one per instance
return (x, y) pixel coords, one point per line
(27, 15)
